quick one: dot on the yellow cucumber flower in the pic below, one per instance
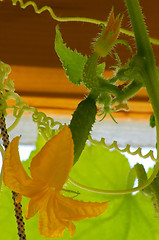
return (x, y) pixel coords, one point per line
(49, 171)
(109, 36)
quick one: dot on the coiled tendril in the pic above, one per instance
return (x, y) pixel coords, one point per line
(70, 19)
(114, 145)
(46, 126)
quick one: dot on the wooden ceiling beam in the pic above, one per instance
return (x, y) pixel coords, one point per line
(27, 44)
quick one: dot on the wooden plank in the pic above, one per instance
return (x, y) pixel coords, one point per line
(28, 38)
(44, 81)
(48, 89)
(41, 81)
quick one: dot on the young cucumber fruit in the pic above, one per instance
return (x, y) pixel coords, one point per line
(81, 124)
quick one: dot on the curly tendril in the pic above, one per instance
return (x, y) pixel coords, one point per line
(70, 19)
(46, 126)
(114, 145)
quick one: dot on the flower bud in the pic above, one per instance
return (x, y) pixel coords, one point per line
(108, 38)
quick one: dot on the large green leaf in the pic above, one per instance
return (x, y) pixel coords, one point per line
(72, 61)
(101, 168)
(127, 217)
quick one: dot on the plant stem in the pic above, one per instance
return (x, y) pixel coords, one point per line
(140, 32)
(148, 67)
(145, 53)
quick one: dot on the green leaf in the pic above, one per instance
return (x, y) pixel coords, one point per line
(131, 178)
(72, 61)
(127, 217)
(100, 168)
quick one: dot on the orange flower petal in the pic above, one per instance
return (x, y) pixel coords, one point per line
(74, 210)
(110, 23)
(36, 203)
(49, 225)
(14, 175)
(53, 163)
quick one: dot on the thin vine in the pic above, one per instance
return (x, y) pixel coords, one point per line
(120, 192)
(70, 19)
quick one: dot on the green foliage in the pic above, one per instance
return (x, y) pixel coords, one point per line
(80, 69)
(81, 124)
(73, 62)
(104, 168)
(141, 173)
(127, 217)
(131, 178)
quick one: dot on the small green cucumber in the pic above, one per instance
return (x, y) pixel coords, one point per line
(81, 124)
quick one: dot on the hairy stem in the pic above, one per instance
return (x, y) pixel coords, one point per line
(145, 54)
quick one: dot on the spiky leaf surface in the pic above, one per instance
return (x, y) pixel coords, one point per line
(72, 61)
